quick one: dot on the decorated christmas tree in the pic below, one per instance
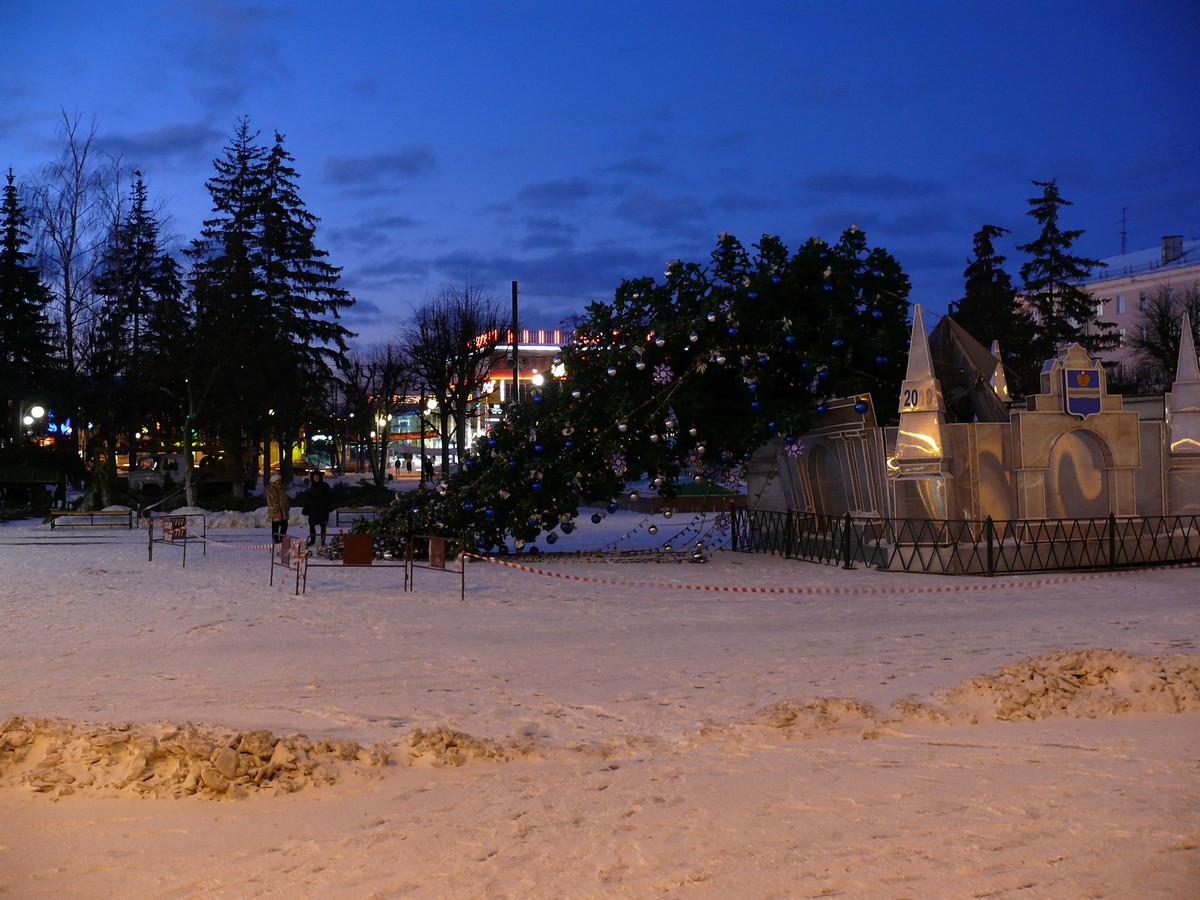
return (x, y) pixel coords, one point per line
(676, 382)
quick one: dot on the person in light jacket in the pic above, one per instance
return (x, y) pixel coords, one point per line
(278, 506)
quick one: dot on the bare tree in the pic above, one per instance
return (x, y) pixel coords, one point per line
(1158, 331)
(73, 205)
(451, 344)
(376, 381)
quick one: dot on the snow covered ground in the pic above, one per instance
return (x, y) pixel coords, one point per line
(588, 728)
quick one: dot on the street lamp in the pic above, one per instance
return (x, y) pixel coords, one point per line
(29, 417)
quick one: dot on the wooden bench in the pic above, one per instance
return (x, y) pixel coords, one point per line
(64, 518)
(351, 513)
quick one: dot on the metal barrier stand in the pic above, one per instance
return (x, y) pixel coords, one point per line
(435, 559)
(290, 553)
(176, 531)
(358, 552)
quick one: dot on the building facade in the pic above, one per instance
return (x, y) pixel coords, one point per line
(1126, 287)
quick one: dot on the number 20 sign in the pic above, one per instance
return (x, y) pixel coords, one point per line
(917, 397)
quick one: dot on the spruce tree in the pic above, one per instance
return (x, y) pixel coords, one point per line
(989, 310)
(26, 334)
(141, 286)
(679, 381)
(266, 298)
(1063, 311)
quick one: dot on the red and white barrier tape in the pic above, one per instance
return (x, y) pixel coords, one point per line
(837, 591)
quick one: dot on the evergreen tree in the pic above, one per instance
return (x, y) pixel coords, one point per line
(26, 334)
(990, 311)
(141, 287)
(266, 300)
(679, 381)
(230, 325)
(1064, 313)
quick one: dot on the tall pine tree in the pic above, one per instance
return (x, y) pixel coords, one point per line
(26, 334)
(266, 299)
(1063, 311)
(990, 311)
(141, 287)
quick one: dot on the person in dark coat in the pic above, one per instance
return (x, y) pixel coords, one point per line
(317, 507)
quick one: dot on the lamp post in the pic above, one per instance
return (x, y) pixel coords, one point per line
(28, 418)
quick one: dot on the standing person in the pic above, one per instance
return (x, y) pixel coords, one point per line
(317, 506)
(278, 507)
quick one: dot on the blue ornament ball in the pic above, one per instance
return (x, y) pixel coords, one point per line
(538, 448)
(752, 387)
(612, 507)
(790, 338)
(880, 359)
(754, 404)
(733, 329)
(861, 406)
(822, 408)
(776, 279)
(877, 313)
(597, 518)
(828, 286)
(491, 513)
(536, 486)
(789, 439)
(567, 528)
(752, 294)
(468, 506)
(551, 538)
(837, 342)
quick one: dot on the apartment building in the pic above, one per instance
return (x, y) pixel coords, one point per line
(1126, 285)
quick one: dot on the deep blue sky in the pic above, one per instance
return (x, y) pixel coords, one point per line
(568, 145)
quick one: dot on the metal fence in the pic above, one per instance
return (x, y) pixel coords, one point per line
(969, 546)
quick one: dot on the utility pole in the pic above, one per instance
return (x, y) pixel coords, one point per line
(516, 349)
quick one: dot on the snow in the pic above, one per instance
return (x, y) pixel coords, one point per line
(588, 727)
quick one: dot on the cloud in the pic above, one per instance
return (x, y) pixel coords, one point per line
(549, 233)
(369, 232)
(556, 193)
(682, 216)
(637, 167)
(229, 50)
(877, 185)
(738, 201)
(181, 141)
(374, 170)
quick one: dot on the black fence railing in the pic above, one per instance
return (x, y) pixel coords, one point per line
(969, 546)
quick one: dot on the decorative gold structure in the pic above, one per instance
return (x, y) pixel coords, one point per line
(959, 451)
